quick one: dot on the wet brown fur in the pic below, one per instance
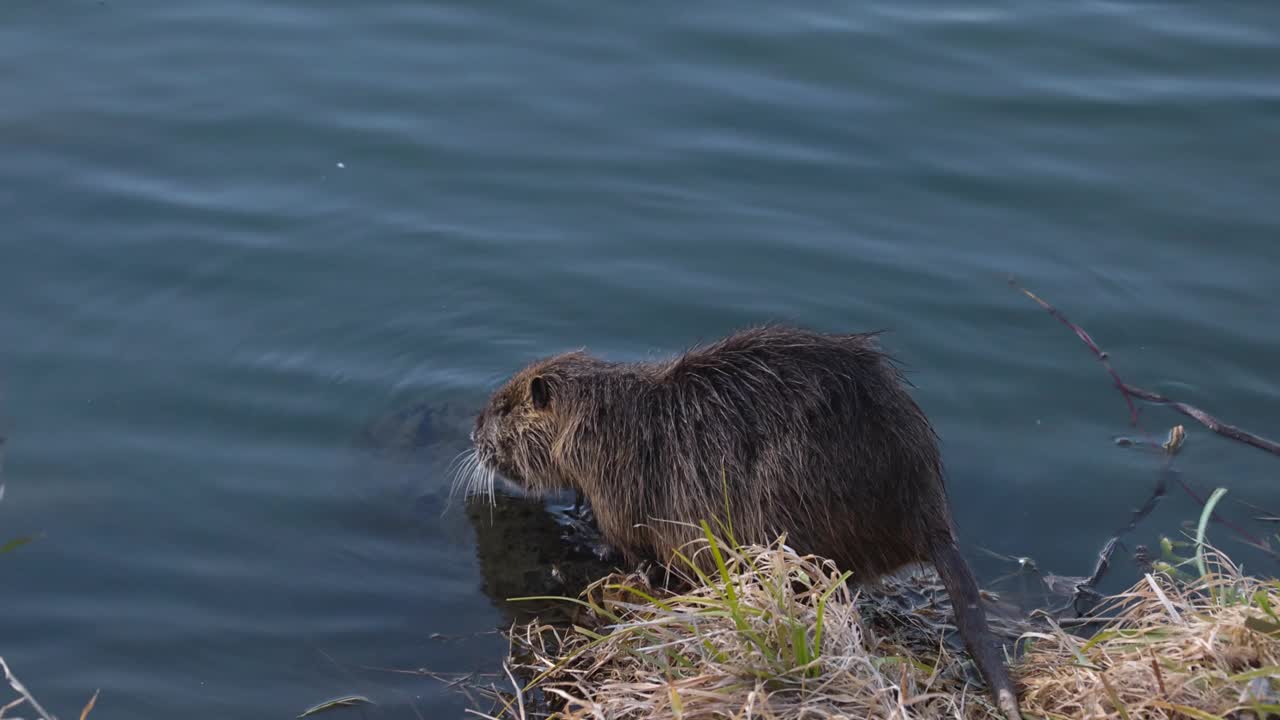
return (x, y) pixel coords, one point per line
(810, 434)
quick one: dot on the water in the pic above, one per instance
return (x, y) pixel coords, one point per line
(239, 234)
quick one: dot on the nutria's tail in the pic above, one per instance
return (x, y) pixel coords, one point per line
(971, 619)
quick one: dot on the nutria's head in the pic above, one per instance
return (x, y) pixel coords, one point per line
(516, 432)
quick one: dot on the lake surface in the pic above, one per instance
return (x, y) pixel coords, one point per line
(240, 237)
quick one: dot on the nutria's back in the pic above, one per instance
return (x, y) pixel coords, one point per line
(800, 428)
(810, 434)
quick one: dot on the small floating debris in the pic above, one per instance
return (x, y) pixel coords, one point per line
(1173, 443)
(339, 702)
(15, 543)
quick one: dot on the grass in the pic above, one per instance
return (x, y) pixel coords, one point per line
(1204, 649)
(769, 634)
(773, 634)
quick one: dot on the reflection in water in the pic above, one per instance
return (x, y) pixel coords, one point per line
(529, 547)
(408, 430)
(524, 546)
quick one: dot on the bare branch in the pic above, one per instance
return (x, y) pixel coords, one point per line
(1130, 391)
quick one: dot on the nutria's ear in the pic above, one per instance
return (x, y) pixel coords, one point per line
(539, 392)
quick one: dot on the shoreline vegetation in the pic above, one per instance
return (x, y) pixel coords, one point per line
(774, 634)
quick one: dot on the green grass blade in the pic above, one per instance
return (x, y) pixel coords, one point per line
(703, 577)
(16, 543)
(730, 593)
(560, 598)
(799, 645)
(733, 602)
(1262, 599)
(643, 596)
(1204, 523)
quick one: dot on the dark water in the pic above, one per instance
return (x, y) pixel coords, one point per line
(237, 235)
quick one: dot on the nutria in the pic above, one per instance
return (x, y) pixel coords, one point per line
(809, 433)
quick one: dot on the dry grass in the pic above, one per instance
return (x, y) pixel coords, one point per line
(25, 701)
(1204, 649)
(776, 635)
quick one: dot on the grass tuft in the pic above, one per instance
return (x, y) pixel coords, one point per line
(768, 634)
(773, 634)
(1200, 649)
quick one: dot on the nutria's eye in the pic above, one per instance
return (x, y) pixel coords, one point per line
(539, 393)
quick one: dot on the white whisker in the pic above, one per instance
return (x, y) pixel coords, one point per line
(489, 481)
(476, 483)
(473, 467)
(455, 473)
(461, 468)
(458, 460)
(455, 469)
(472, 476)
(492, 476)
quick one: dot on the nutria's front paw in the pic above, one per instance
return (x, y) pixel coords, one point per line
(607, 553)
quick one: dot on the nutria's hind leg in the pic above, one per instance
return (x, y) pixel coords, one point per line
(971, 620)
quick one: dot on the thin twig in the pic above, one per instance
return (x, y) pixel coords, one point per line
(11, 706)
(88, 707)
(1104, 562)
(1158, 492)
(1130, 391)
(1084, 336)
(1205, 419)
(1155, 666)
(21, 689)
(1088, 588)
(516, 685)
(351, 676)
